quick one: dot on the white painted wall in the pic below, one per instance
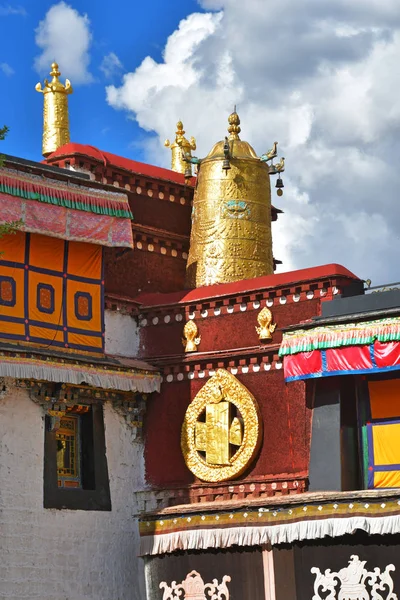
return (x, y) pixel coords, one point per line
(121, 334)
(50, 554)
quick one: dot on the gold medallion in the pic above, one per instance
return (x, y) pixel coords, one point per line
(222, 430)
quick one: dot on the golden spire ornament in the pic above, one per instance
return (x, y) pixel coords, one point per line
(55, 112)
(266, 326)
(181, 148)
(191, 339)
(231, 220)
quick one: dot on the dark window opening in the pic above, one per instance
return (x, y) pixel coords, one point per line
(75, 463)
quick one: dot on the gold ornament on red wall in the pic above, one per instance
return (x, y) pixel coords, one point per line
(222, 429)
(191, 337)
(266, 326)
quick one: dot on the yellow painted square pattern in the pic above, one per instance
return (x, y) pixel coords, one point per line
(386, 440)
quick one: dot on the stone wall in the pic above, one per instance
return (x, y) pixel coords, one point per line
(63, 554)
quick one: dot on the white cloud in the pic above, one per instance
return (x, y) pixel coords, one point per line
(322, 80)
(6, 69)
(7, 10)
(111, 65)
(64, 36)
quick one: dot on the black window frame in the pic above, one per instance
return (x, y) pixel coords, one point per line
(95, 494)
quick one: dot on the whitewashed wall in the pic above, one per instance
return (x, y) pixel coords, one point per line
(50, 554)
(121, 334)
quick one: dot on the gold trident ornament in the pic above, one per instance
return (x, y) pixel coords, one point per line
(191, 338)
(266, 328)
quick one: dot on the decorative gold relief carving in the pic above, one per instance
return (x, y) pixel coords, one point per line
(191, 338)
(222, 429)
(266, 327)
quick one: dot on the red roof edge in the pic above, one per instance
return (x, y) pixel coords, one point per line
(244, 286)
(113, 160)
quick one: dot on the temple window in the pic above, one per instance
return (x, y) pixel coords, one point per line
(75, 464)
(68, 452)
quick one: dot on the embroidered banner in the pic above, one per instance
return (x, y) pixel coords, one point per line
(374, 358)
(65, 211)
(68, 195)
(336, 336)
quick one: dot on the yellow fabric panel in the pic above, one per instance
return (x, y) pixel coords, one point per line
(13, 246)
(18, 309)
(384, 398)
(46, 252)
(387, 479)
(89, 288)
(47, 334)
(41, 308)
(84, 260)
(386, 440)
(34, 313)
(85, 340)
(14, 328)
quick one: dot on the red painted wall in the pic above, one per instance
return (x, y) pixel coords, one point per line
(286, 422)
(226, 331)
(162, 214)
(138, 271)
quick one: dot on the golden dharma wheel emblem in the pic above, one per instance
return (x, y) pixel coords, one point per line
(222, 429)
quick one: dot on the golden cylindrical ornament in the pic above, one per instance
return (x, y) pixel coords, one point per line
(231, 222)
(55, 112)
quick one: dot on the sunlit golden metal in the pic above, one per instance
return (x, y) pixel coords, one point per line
(280, 166)
(181, 146)
(231, 221)
(55, 113)
(191, 338)
(266, 326)
(217, 447)
(217, 433)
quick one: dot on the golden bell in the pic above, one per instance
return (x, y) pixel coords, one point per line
(279, 185)
(231, 221)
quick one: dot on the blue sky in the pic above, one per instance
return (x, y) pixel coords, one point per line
(322, 81)
(129, 29)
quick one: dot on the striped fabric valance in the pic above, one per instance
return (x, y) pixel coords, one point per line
(336, 336)
(49, 191)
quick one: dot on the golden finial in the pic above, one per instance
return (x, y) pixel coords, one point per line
(266, 328)
(234, 123)
(191, 338)
(280, 166)
(55, 113)
(180, 147)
